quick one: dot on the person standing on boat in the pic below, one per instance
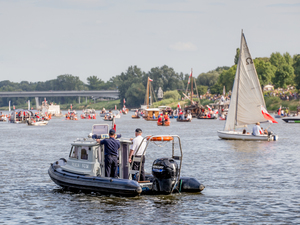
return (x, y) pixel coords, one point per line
(138, 152)
(257, 129)
(111, 146)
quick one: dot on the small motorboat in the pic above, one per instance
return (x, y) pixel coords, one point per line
(164, 122)
(88, 114)
(3, 118)
(71, 115)
(37, 123)
(125, 111)
(207, 118)
(108, 117)
(291, 119)
(183, 120)
(85, 168)
(135, 117)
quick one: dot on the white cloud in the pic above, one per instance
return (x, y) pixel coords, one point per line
(183, 46)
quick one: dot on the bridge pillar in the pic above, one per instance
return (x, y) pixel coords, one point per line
(79, 99)
(85, 99)
(37, 102)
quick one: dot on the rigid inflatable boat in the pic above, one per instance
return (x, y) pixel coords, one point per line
(84, 169)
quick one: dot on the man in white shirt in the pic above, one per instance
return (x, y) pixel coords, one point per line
(138, 152)
(257, 129)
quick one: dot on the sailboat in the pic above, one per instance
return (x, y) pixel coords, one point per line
(195, 108)
(150, 114)
(247, 105)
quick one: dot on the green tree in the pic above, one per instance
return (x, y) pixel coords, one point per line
(135, 95)
(284, 74)
(296, 67)
(202, 89)
(172, 94)
(94, 83)
(265, 71)
(226, 79)
(68, 82)
(236, 57)
(125, 80)
(166, 78)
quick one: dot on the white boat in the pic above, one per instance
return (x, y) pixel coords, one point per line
(247, 104)
(36, 123)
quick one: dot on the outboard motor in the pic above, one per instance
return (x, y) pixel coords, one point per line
(165, 172)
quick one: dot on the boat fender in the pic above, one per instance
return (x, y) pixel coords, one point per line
(191, 185)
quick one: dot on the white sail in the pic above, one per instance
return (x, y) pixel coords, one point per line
(246, 98)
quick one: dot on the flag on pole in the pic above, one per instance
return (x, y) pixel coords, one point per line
(191, 74)
(224, 91)
(150, 79)
(124, 100)
(267, 116)
(279, 111)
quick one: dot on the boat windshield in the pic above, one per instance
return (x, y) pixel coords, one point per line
(84, 154)
(74, 152)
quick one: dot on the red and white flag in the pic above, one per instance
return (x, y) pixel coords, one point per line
(150, 79)
(209, 108)
(124, 100)
(279, 111)
(267, 116)
(191, 74)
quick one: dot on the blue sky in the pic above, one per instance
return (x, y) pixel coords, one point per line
(41, 39)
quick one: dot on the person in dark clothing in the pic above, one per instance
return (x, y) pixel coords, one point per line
(111, 146)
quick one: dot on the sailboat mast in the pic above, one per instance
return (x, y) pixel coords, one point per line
(191, 86)
(238, 84)
(147, 101)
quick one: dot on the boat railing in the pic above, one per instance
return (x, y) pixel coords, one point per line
(157, 138)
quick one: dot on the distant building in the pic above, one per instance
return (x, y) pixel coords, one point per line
(268, 87)
(160, 94)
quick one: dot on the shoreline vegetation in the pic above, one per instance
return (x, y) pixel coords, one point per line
(272, 104)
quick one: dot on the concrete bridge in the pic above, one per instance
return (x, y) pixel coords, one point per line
(98, 94)
(114, 94)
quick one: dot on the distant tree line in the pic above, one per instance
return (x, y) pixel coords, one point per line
(279, 70)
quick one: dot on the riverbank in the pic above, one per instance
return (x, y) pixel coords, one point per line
(272, 104)
(76, 106)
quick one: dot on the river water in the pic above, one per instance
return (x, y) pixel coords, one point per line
(245, 182)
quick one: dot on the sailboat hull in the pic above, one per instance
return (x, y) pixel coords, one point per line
(235, 135)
